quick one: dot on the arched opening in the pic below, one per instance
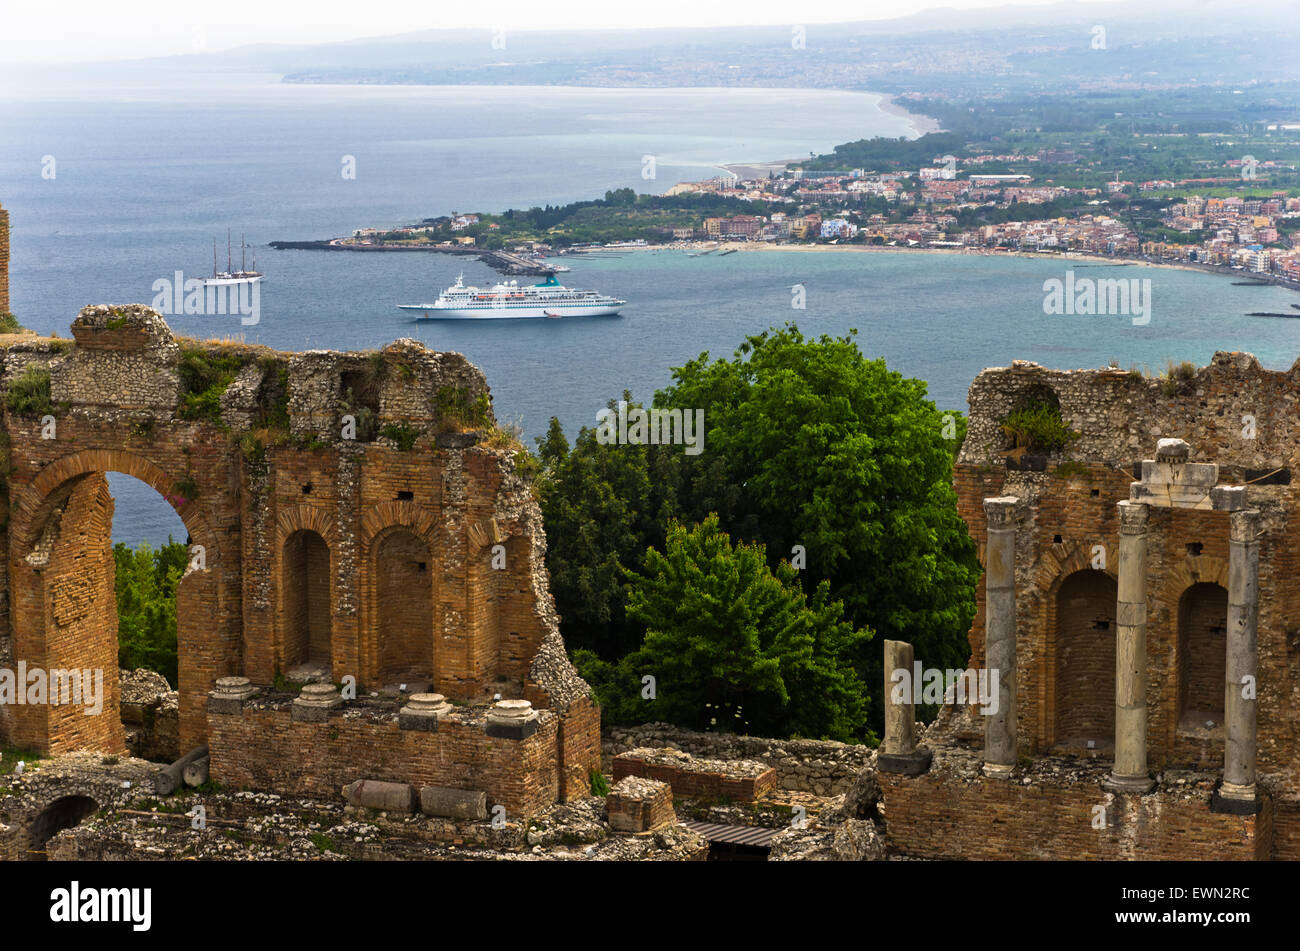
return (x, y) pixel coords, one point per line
(66, 613)
(1085, 661)
(61, 814)
(307, 590)
(150, 556)
(1202, 656)
(404, 589)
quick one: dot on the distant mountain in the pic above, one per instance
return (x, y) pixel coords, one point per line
(1017, 48)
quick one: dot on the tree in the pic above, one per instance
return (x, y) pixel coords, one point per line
(603, 506)
(146, 606)
(807, 443)
(734, 645)
(835, 453)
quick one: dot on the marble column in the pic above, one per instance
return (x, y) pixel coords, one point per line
(1002, 515)
(898, 751)
(1129, 774)
(1240, 684)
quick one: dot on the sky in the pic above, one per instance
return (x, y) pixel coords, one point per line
(71, 31)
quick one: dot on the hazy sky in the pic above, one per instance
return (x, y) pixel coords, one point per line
(91, 30)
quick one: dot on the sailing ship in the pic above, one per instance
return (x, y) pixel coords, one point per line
(230, 276)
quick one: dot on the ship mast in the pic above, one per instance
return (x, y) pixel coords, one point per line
(228, 264)
(214, 257)
(243, 263)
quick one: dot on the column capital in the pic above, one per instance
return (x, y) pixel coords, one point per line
(1133, 517)
(1244, 526)
(1003, 512)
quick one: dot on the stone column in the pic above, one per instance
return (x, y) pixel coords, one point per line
(1002, 515)
(898, 752)
(1129, 774)
(1237, 794)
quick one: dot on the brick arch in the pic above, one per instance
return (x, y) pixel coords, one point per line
(34, 504)
(289, 522)
(300, 518)
(1201, 620)
(398, 514)
(1195, 569)
(63, 610)
(1048, 574)
(379, 523)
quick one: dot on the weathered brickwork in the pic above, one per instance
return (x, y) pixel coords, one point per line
(952, 812)
(1119, 417)
(1231, 413)
(639, 805)
(263, 748)
(821, 767)
(350, 515)
(4, 261)
(691, 778)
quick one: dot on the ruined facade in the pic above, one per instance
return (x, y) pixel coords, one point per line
(354, 519)
(4, 261)
(1140, 602)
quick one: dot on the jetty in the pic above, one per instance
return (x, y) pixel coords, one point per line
(505, 262)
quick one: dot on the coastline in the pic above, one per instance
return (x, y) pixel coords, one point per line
(1064, 256)
(921, 125)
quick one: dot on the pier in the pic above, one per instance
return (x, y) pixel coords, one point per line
(504, 262)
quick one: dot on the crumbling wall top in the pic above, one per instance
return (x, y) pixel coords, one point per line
(1232, 411)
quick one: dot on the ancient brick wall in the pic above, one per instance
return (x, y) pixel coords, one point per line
(4, 261)
(952, 813)
(1232, 413)
(357, 511)
(263, 748)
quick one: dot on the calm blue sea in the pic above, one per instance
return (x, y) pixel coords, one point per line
(148, 172)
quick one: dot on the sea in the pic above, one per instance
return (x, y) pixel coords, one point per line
(116, 177)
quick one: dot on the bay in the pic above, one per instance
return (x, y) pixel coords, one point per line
(149, 173)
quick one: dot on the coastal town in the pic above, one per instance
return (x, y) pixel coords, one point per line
(931, 208)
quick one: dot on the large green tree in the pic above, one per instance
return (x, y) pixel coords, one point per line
(734, 645)
(828, 459)
(848, 460)
(603, 506)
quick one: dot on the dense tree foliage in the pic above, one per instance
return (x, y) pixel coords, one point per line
(734, 644)
(825, 458)
(146, 605)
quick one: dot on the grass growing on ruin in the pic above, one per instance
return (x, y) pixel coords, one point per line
(9, 324)
(1038, 427)
(1176, 376)
(599, 785)
(323, 842)
(458, 411)
(404, 434)
(1072, 470)
(29, 393)
(205, 377)
(10, 756)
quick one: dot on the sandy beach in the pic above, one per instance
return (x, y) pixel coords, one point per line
(921, 125)
(1073, 257)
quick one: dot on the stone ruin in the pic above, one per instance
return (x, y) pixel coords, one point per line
(354, 519)
(1140, 605)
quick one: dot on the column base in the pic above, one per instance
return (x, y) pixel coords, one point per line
(1229, 799)
(998, 770)
(1141, 785)
(905, 764)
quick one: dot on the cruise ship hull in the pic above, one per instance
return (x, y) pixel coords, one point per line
(433, 312)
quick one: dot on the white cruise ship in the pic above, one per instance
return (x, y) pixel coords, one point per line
(509, 299)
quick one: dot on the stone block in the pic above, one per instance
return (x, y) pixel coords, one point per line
(378, 794)
(636, 804)
(453, 803)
